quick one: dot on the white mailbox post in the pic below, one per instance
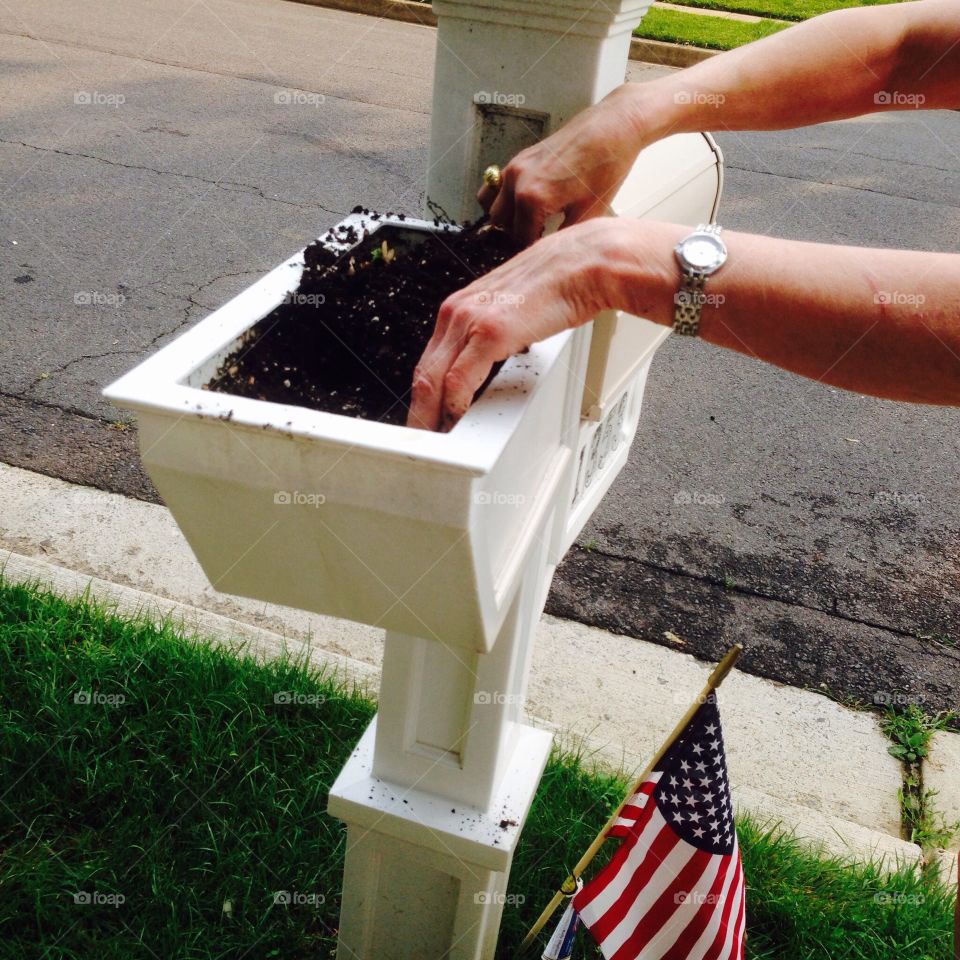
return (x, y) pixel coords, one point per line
(448, 541)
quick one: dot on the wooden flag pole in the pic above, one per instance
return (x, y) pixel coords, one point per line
(569, 885)
(956, 917)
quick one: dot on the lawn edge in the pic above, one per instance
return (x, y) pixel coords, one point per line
(412, 11)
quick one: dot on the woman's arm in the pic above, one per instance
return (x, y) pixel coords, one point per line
(881, 322)
(838, 65)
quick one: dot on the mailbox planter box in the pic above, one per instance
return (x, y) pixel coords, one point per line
(417, 532)
(449, 541)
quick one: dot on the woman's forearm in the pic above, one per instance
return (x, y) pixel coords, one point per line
(842, 64)
(881, 322)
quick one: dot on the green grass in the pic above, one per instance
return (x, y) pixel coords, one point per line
(698, 30)
(911, 731)
(138, 765)
(782, 9)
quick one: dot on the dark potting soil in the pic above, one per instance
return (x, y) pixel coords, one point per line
(348, 339)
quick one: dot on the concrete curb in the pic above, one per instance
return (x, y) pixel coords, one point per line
(584, 681)
(940, 775)
(410, 11)
(720, 14)
(407, 11)
(668, 54)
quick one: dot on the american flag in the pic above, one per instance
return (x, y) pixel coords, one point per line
(674, 888)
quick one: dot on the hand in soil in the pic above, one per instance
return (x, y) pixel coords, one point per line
(549, 287)
(346, 341)
(576, 171)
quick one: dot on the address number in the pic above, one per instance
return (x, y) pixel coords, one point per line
(606, 441)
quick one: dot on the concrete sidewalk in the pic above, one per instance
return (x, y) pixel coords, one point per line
(795, 756)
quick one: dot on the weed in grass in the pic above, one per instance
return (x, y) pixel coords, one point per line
(911, 729)
(930, 829)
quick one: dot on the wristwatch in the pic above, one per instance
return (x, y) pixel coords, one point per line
(700, 254)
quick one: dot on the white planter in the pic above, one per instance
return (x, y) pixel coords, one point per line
(417, 532)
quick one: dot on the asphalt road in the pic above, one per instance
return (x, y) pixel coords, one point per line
(149, 172)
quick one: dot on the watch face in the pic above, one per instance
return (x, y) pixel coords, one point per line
(703, 252)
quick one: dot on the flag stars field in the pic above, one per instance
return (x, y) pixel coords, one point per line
(674, 888)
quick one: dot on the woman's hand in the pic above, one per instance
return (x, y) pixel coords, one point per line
(558, 283)
(574, 172)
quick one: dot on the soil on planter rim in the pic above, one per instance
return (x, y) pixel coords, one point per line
(347, 340)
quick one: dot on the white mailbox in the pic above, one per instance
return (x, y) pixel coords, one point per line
(448, 541)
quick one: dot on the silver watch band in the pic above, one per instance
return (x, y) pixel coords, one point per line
(689, 302)
(690, 297)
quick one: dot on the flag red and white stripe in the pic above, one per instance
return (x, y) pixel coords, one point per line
(633, 808)
(674, 888)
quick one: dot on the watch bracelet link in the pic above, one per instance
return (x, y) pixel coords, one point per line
(689, 301)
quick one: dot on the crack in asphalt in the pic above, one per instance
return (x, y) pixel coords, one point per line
(191, 303)
(49, 374)
(220, 184)
(894, 160)
(761, 595)
(60, 407)
(25, 395)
